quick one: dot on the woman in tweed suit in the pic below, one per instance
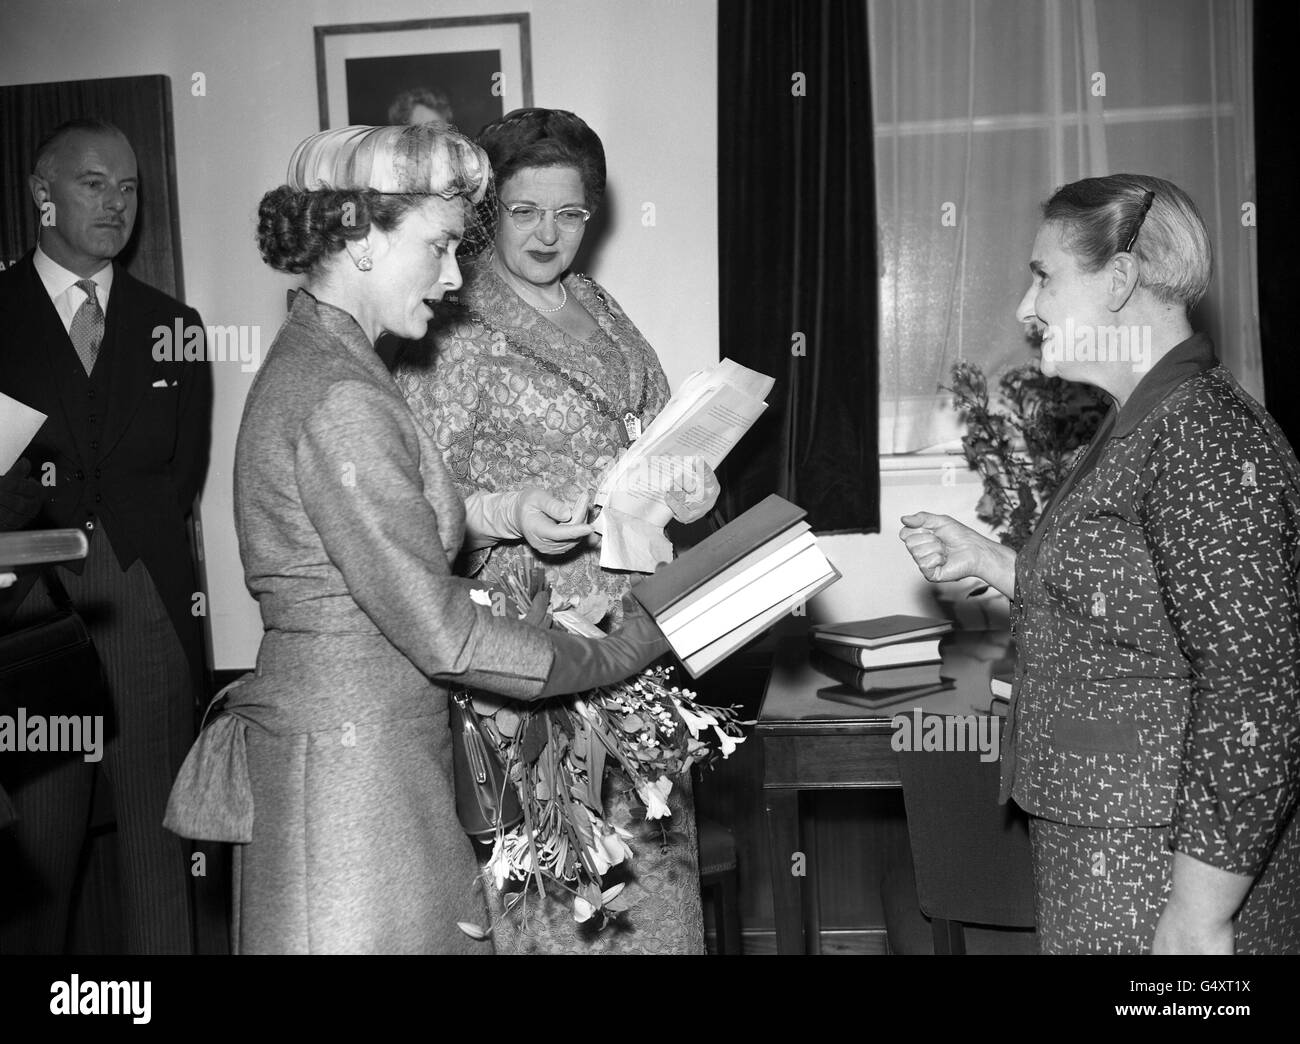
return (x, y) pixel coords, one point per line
(1155, 728)
(330, 768)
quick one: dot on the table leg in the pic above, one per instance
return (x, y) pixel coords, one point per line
(812, 905)
(787, 887)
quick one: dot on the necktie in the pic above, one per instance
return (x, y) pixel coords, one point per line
(87, 329)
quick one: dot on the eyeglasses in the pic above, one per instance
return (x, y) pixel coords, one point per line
(527, 217)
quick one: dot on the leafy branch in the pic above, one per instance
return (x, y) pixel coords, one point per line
(1023, 450)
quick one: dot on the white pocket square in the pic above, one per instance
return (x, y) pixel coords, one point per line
(164, 384)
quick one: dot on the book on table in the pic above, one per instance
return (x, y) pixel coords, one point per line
(882, 631)
(879, 681)
(890, 656)
(887, 641)
(737, 582)
(855, 698)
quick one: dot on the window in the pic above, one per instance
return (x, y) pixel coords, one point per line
(983, 108)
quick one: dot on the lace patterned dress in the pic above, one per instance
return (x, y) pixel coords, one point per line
(489, 384)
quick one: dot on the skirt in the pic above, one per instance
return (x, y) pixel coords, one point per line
(1102, 890)
(1099, 889)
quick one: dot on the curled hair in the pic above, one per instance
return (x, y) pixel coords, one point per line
(298, 229)
(546, 138)
(1098, 216)
(399, 112)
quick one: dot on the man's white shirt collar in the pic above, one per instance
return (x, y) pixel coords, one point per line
(60, 284)
(57, 280)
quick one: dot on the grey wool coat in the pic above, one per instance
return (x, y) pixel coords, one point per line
(331, 765)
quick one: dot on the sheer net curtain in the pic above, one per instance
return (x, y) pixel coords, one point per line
(984, 107)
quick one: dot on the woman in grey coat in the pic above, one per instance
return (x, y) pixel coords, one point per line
(330, 767)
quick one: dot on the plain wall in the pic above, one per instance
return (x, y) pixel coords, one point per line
(642, 72)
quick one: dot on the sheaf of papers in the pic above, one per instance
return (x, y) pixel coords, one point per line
(19, 424)
(636, 545)
(706, 418)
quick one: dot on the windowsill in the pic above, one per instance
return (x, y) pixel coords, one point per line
(931, 460)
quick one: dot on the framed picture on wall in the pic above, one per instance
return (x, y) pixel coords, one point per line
(463, 71)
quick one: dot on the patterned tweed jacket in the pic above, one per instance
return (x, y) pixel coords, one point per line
(1156, 621)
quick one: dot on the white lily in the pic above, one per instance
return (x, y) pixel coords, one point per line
(598, 858)
(582, 910)
(695, 720)
(615, 849)
(500, 864)
(480, 596)
(727, 743)
(655, 796)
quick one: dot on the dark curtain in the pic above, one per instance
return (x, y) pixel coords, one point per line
(797, 253)
(1277, 27)
(142, 107)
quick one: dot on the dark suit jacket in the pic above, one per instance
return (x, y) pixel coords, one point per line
(140, 468)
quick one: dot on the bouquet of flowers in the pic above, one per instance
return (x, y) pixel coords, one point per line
(646, 729)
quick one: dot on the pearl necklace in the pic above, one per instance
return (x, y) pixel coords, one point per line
(564, 299)
(509, 278)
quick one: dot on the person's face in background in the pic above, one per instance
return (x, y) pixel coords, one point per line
(92, 184)
(541, 255)
(414, 264)
(1059, 292)
(424, 114)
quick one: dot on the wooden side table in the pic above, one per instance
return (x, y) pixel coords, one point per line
(811, 743)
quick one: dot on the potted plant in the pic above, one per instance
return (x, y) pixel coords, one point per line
(1023, 450)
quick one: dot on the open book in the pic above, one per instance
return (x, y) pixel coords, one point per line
(706, 418)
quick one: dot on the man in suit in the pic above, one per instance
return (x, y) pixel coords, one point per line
(122, 456)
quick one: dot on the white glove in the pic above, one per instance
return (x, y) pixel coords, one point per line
(529, 514)
(694, 495)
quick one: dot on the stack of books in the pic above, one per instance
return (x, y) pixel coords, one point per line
(736, 583)
(884, 660)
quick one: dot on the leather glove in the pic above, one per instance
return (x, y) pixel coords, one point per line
(529, 514)
(585, 663)
(20, 496)
(693, 495)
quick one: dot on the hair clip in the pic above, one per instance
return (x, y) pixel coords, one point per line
(1147, 200)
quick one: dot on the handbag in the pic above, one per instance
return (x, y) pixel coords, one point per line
(485, 798)
(51, 668)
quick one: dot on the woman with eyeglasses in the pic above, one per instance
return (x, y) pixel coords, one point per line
(1154, 736)
(538, 383)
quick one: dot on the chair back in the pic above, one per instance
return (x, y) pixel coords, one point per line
(971, 854)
